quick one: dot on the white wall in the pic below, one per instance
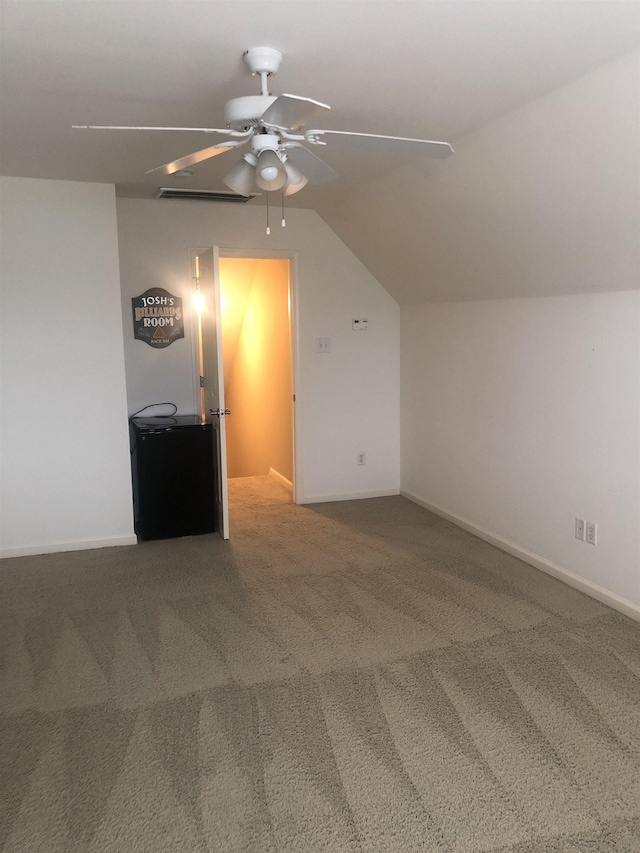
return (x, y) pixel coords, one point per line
(64, 449)
(519, 415)
(347, 400)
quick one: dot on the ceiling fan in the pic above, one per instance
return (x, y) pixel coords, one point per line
(275, 128)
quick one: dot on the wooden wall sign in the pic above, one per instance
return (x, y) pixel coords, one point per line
(157, 317)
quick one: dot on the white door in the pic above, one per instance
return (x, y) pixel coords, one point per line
(215, 411)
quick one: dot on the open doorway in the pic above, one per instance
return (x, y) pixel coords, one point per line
(258, 388)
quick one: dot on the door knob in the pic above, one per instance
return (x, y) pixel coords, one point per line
(219, 412)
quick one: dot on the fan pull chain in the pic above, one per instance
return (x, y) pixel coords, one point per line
(268, 229)
(284, 224)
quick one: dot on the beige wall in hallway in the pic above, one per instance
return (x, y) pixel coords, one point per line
(257, 365)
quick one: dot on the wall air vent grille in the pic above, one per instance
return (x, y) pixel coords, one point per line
(203, 195)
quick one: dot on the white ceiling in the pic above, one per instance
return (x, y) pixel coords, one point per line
(435, 70)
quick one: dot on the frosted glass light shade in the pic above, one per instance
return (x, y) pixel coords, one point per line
(240, 179)
(295, 179)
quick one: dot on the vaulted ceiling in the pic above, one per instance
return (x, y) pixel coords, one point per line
(435, 70)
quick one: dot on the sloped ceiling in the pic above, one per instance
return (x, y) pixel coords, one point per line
(543, 201)
(437, 70)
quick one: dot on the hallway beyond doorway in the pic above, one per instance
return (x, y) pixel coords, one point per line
(257, 360)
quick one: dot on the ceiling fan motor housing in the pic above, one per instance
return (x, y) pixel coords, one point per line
(243, 113)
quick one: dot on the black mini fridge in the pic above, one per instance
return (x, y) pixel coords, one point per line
(173, 470)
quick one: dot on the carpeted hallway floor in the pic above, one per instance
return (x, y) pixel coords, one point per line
(358, 676)
(246, 492)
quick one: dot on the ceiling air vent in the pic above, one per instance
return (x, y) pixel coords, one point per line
(203, 195)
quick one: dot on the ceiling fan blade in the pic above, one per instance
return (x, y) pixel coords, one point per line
(196, 157)
(226, 131)
(391, 144)
(290, 112)
(315, 169)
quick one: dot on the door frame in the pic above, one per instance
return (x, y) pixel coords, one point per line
(210, 364)
(192, 251)
(294, 346)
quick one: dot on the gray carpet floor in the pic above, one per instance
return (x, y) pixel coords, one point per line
(358, 676)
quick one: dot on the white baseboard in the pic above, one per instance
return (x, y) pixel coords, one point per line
(72, 545)
(349, 496)
(281, 479)
(623, 605)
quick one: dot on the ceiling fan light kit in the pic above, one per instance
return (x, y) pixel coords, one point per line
(276, 128)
